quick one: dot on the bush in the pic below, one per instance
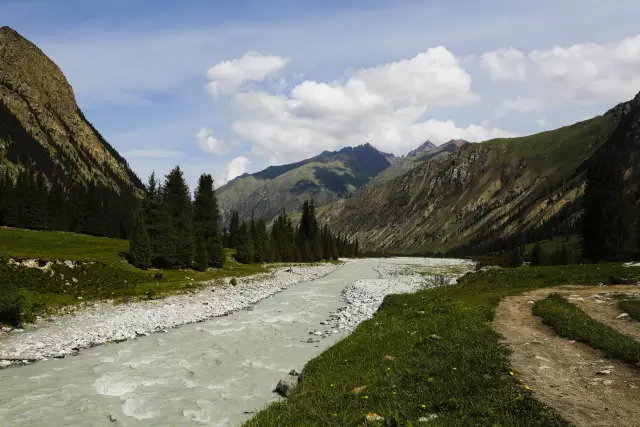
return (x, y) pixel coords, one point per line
(435, 281)
(500, 259)
(233, 282)
(14, 308)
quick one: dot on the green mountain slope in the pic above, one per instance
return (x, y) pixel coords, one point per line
(50, 155)
(486, 192)
(35, 94)
(326, 177)
(427, 151)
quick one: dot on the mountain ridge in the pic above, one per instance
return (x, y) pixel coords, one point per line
(324, 177)
(509, 188)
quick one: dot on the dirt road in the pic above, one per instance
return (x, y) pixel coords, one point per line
(573, 378)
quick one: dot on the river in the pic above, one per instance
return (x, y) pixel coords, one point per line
(214, 373)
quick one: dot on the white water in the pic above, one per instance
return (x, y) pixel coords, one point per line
(213, 373)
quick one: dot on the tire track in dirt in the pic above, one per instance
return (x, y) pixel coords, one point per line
(565, 374)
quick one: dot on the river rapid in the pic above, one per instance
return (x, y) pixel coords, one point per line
(214, 373)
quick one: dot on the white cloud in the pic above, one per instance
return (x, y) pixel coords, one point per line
(581, 73)
(520, 104)
(209, 143)
(384, 105)
(153, 154)
(508, 64)
(430, 78)
(236, 167)
(230, 75)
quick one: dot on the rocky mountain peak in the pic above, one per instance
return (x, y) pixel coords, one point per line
(425, 146)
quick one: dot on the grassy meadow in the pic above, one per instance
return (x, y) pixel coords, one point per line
(78, 268)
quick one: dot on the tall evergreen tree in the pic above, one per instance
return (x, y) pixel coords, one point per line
(244, 246)
(206, 220)
(139, 243)
(234, 230)
(176, 200)
(536, 255)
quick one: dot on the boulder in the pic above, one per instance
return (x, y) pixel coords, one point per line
(286, 385)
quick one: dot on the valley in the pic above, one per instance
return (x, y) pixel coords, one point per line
(308, 224)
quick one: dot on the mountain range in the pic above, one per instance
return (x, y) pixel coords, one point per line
(330, 176)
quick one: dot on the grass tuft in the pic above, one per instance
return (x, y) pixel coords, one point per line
(571, 322)
(632, 307)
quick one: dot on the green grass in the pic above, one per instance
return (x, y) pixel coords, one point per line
(632, 307)
(571, 322)
(573, 243)
(100, 271)
(463, 377)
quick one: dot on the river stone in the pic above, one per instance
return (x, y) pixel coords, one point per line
(286, 385)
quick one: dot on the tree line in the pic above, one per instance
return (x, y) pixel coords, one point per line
(59, 203)
(287, 242)
(172, 230)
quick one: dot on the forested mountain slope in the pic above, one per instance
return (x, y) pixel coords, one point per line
(51, 155)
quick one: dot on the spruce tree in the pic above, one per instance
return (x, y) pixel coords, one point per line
(206, 220)
(536, 254)
(176, 200)
(139, 243)
(244, 245)
(202, 257)
(234, 230)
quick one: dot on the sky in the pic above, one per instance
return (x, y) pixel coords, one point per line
(228, 87)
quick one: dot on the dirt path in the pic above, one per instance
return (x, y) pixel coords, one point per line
(565, 374)
(603, 308)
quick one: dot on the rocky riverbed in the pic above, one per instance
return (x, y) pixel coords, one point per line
(105, 322)
(363, 297)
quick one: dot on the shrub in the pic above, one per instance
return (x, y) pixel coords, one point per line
(14, 308)
(233, 282)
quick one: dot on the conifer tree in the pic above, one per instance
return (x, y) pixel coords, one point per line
(536, 255)
(202, 257)
(139, 244)
(234, 229)
(206, 220)
(244, 245)
(176, 200)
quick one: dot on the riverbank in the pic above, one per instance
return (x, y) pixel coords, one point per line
(105, 322)
(431, 356)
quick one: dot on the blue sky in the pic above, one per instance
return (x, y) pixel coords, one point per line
(301, 77)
